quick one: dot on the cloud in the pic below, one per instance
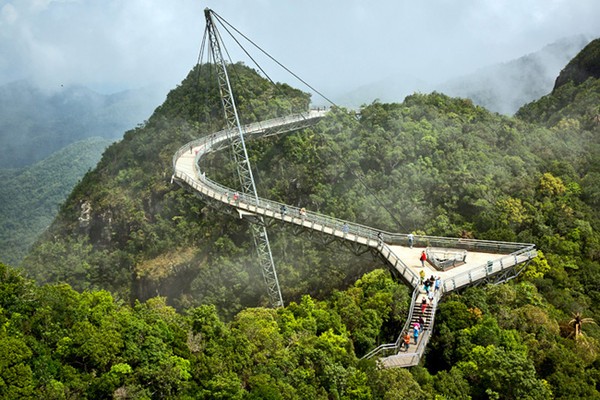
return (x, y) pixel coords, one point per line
(334, 45)
(114, 43)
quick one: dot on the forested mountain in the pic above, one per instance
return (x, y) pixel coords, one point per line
(31, 196)
(35, 122)
(439, 165)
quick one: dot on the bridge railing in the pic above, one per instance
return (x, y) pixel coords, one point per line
(254, 128)
(334, 226)
(444, 258)
(308, 118)
(409, 275)
(490, 268)
(485, 246)
(272, 209)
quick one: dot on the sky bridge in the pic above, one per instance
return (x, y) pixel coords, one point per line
(459, 263)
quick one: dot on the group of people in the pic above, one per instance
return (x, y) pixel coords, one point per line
(283, 211)
(236, 197)
(406, 337)
(417, 327)
(431, 286)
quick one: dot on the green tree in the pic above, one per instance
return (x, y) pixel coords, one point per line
(497, 373)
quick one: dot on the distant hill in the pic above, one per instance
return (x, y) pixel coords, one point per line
(35, 123)
(574, 102)
(389, 90)
(30, 197)
(501, 88)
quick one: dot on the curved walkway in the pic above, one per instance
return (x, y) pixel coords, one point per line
(485, 259)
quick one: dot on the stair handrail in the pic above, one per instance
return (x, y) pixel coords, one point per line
(396, 345)
(424, 336)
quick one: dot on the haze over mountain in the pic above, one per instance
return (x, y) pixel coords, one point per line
(118, 45)
(48, 140)
(35, 122)
(506, 87)
(503, 87)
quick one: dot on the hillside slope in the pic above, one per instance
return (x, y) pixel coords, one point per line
(506, 87)
(31, 196)
(574, 101)
(133, 228)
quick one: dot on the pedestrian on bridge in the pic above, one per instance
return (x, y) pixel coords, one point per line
(406, 341)
(411, 239)
(423, 305)
(416, 334)
(422, 276)
(423, 258)
(426, 285)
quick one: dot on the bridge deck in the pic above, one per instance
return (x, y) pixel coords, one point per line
(474, 261)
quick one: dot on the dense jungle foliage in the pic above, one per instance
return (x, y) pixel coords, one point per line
(61, 344)
(432, 164)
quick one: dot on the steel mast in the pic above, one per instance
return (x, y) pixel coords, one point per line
(236, 135)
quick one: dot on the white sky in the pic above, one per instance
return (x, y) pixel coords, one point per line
(335, 45)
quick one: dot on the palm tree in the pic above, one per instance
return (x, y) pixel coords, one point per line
(577, 321)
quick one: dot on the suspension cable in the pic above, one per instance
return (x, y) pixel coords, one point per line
(360, 179)
(223, 21)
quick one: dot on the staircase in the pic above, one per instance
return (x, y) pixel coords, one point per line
(394, 354)
(417, 313)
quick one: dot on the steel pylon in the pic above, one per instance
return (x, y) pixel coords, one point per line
(244, 170)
